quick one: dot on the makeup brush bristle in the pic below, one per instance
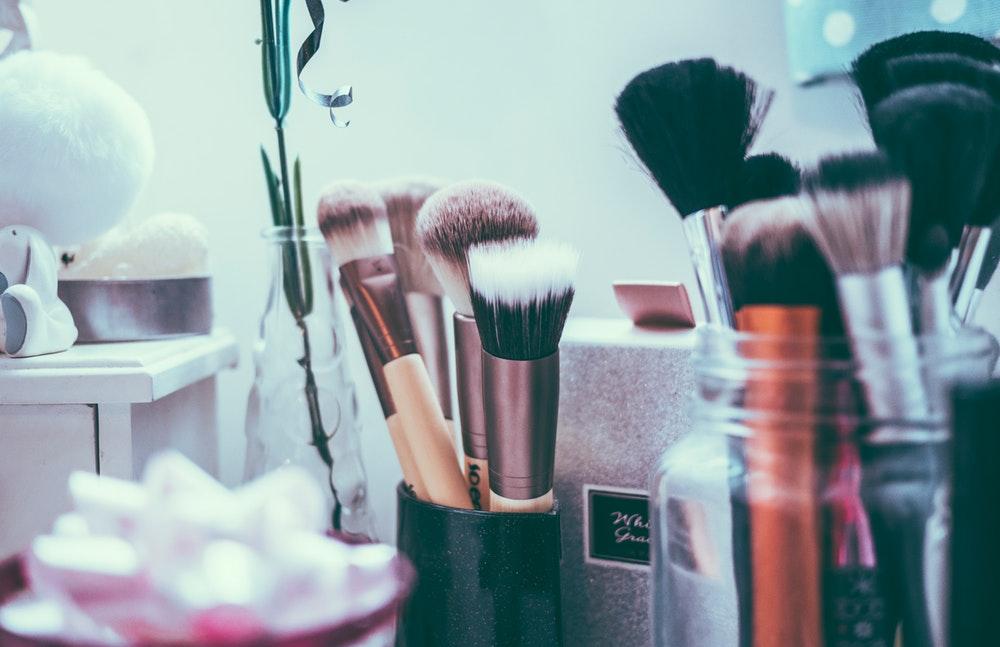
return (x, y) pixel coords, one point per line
(870, 69)
(943, 136)
(352, 217)
(403, 199)
(766, 176)
(521, 295)
(861, 208)
(691, 124)
(466, 214)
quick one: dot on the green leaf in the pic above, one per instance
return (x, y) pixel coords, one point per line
(277, 212)
(275, 62)
(281, 29)
(297, 185)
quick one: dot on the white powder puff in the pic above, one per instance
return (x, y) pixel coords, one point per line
(162, 246)
(75, 148)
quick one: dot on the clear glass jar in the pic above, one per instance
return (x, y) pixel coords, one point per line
(789, 516)
(302, 409)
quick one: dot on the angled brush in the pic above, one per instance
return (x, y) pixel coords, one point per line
(870, 70)
(943, 136)
(403, 198)
(450, 222)
(352, 219)
(766, 176)
(691, 124)
(521, 293)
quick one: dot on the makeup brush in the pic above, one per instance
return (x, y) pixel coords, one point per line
(521, 293)
(870, 69)
(766, 176)
(860, 224)
(450, 222)
(943, 136)
(691, 124)
(352, 219)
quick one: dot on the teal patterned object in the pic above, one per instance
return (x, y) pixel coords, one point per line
(824, 36)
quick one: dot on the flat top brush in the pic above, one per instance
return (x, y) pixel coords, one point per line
(766, 176)
(870, 69)
(944, 137)
(521, 293)
(453, 220)
(691, 124)
(351, 217)
(403, 198)
(860, 223)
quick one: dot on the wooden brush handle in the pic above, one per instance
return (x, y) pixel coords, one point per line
(477, 475)
(502, 504)
(426, 431)
(411, 475)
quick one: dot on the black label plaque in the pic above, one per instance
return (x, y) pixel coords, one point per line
(619, 526)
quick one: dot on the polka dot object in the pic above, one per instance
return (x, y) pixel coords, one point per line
(948, 11)
(838, 28)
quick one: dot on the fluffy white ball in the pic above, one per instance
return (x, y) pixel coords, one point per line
(75, 148)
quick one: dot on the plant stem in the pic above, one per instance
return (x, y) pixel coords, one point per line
(319, 436)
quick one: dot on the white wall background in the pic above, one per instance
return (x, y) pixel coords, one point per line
(519, 91)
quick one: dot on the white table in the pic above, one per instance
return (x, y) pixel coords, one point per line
(103, 408)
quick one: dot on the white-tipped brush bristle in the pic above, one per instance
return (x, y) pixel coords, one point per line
(521, 272)
(354, 222)
(521, 295)
(403, 199)
(466, 214)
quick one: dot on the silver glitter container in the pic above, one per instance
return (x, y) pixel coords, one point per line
(625, 396)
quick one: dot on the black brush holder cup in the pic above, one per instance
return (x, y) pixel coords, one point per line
(483, 578)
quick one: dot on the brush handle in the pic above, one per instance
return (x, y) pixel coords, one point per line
(971, 256)
(411, 474)
(539, 504)
(703, 232)
(426, 431)
(477, 474)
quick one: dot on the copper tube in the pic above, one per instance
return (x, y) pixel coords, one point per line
(372, 286)
(427, 319)
(469, 371)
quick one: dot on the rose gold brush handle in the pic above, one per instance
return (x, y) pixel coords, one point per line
(426, 431)
(469, 371)
(430, 331)
(521, 399)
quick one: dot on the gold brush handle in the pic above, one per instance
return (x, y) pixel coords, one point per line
(477, 475)
(426, 431)
(405, 455)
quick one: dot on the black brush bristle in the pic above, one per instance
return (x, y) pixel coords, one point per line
(691, 124)
(870, 69)
(990, 263)
(764, 177)
(944, 137)
(772, 259)
(523, 331)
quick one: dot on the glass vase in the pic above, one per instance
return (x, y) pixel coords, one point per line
(302, 409)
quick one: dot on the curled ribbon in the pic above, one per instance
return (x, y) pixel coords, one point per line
(342, 96)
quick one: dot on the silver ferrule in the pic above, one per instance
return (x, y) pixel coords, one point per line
(876, 312)
(934, 304)
(703, 233)
(374, 365)
(469, 377)
(372, 286)
(971, 255)
(522, 410)
(427, 318)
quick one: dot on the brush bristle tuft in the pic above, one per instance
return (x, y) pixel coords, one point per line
(765, 177)
(870, 70)
(521, 295)
(691, 124)
(352, 217)
(861, 209)
(944, 137)
(466, 214)
(403, 199)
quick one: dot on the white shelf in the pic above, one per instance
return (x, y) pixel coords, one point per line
(133, 372)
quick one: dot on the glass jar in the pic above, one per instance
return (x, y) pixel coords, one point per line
(790, 516)
(302, 409)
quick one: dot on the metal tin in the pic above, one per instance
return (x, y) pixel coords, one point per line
(109, 310)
